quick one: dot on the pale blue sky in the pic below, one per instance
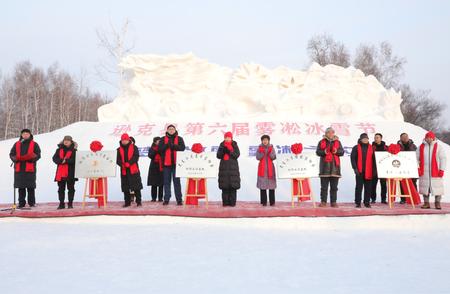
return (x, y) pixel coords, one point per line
(229, 32)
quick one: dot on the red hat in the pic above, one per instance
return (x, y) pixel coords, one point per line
(96, 146)
(197, 148)
(430, 135)
(228, 135)
(125, 136)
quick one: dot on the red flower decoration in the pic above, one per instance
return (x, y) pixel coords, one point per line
(297, 148)
(197, 148)
(96, 146)
(394, 149)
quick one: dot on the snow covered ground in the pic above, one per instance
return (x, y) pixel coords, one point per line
(405, 254)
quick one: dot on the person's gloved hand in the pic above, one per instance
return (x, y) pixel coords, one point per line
(441, 173)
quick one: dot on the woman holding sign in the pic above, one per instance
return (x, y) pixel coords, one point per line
(266, 171)
(329, 149)
(229, 176)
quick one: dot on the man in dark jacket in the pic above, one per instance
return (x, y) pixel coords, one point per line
(169, 145)
(378, 145)
(130, 176)
(362, 158)
(24, 154)
(155, 171)
(64, 158)
(406, 144)
(229, 176)
(330, 150)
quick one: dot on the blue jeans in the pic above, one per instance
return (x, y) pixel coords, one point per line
(169, 174)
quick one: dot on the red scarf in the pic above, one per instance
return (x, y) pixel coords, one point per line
(133, 167)
(265, 160)
(29, 166)
(329, 154)
(62, 171)
(157, 158)
(228, 145)
(434, 164)
(168, 155)
(369, 161)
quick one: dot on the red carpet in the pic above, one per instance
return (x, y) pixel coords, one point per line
(215, 210)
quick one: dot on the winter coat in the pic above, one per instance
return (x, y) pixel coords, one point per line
(427, 183)
(129, 181)
(171, 145)
(264, 182)
(408, 146)
(229, 176)
(70, 161)
(23, 179)
(329, 169)
(378, 147)
(155, 175)
(354, 159)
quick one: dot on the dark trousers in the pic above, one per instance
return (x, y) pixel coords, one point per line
(374, 189)
(324, 183)
(70, 184)
(23, 194)
(360, 184)
(127, 197)
(157, 191)
(229, 197)
(263, 194)
(169, 175)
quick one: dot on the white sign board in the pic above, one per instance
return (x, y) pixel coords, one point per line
(98, 164)
(399, 166)
(197, 165)
(291, 166)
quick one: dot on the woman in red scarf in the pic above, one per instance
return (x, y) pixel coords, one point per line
(64, 158)
(229, 176)
(130, 176)
(24, 154)
(330, 150)
(363, 163)
(432, 163)
(266, 171)
(155, 171)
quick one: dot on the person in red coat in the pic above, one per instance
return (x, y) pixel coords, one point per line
(24, 154)
(64, 158)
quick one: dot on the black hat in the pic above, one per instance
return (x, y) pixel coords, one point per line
(265, 137)
(171, 125)
(363, 136)
(25, 131)
(156, 139)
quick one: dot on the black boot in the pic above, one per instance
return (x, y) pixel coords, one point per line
(61, 205)
(69, 205)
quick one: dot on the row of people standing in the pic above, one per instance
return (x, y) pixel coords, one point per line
(162, 172)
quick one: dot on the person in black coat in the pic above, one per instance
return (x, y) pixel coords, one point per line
(229, 176)
(130, 176)
(24, 154)
(378, 145)
(64, 158)
(406, 144)
(330, 150)
(169, 145)
(155, 171)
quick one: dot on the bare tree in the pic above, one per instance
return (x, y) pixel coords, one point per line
(381, 63)
(117, 44)
(324, 50)
(420, 109)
